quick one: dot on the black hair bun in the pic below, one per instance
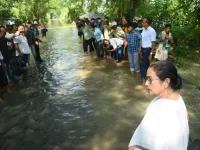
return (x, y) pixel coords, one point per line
(179, 84)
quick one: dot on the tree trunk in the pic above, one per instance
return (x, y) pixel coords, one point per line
(131, 12)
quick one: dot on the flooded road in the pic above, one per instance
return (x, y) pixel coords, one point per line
(78, 102)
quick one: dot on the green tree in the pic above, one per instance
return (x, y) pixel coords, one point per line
(115, 8)
(31, 9)
(5, 6)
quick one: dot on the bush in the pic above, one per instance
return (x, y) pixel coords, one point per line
(186, 40)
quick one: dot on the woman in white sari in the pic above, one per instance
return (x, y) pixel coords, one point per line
(165, 124)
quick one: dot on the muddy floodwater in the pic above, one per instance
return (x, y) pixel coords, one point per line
(74, 101)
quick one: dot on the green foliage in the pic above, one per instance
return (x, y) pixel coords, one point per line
(31, 9)
(66, 10)
(5, 9)
(117, 8)
(180, 64)
(184, 15)
(26, 10)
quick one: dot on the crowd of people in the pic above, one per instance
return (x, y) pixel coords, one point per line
(16, 45)
(122, 37)
(165, 124)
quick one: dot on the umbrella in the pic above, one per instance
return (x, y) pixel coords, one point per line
(92, 15)
(13, 18)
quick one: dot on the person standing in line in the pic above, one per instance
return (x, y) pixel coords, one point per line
(5, 50)
(9, 36)
(10, 32)
(133, 38)
(139, 27)
(36, 43)
(43, 29)
(15, 28)
(33, 41)
(98, 35)
(117, 31)
(79, 28)
(165, 124)
(29, 33)
(92, 22)
(3, 79)
(147, 47)
(21, 45)
(4, 64)
(124, 24)
(88, 37)
(106, 32)
(107, 29)
(99, 24)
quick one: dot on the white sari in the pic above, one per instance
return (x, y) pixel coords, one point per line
(164, 126)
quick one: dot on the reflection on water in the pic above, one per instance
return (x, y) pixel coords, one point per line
(74, 102)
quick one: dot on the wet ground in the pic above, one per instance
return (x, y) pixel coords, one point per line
(74, 101)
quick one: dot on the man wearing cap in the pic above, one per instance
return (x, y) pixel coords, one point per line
(35, 22)
(117, 31)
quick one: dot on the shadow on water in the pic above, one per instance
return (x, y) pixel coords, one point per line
(73, 101)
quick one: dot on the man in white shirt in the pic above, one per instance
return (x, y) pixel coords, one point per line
(118, 47)
(148, 46)
(117, 31)
(88, 37)
(21, 44)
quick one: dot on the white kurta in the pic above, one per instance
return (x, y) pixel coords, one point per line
(106, 33)
(164, 126)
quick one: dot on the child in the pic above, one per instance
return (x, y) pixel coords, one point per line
(134, 39)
